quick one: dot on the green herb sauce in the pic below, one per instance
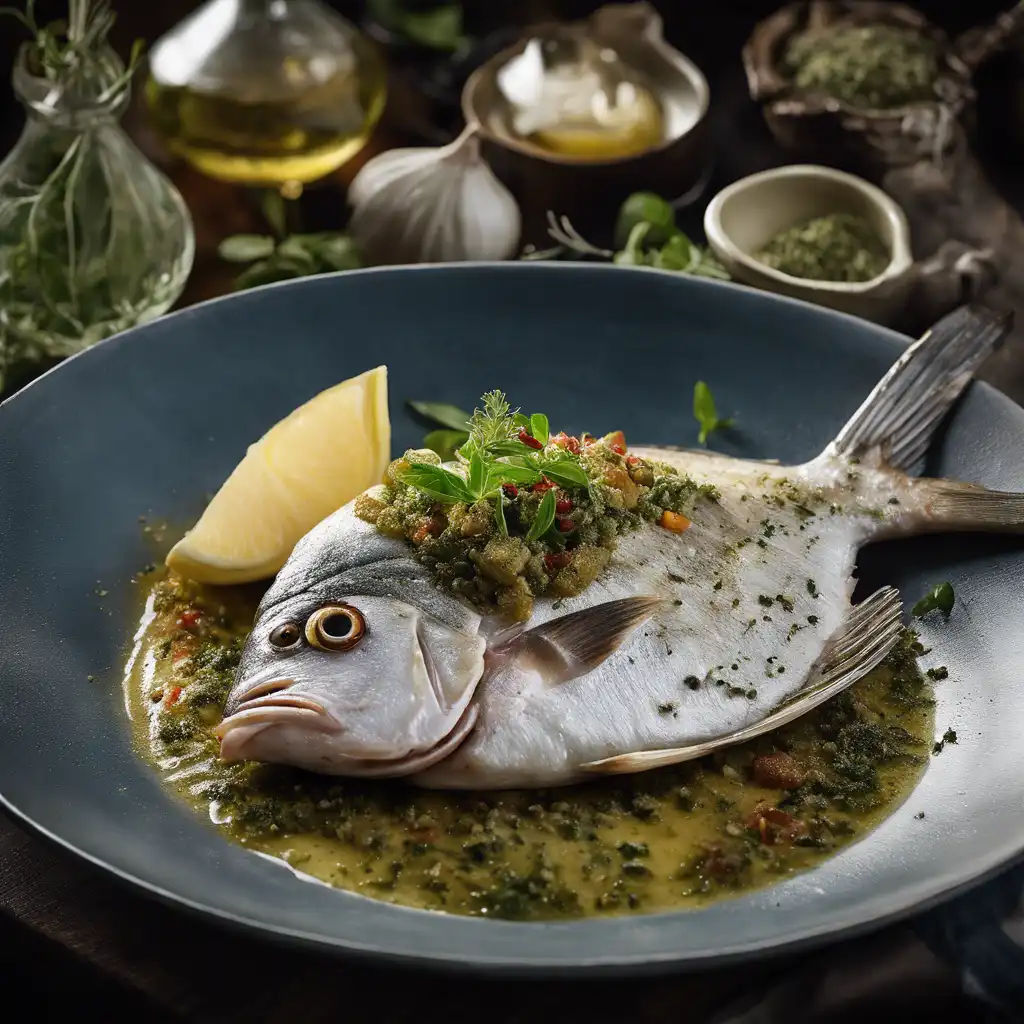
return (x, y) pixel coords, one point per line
(552, 536)
(667, 839)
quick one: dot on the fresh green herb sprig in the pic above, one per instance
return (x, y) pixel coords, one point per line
(58, 290)
(294, 256)
(72, 53)
(940, 598)
(647, 236)
(493, 455)
(706, 413)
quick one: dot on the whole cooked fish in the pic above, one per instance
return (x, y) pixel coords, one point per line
(359, 664)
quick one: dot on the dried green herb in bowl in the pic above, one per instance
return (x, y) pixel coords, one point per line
(874, 67)
(839, 247)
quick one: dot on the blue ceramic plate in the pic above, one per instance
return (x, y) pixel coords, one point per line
(151, 421)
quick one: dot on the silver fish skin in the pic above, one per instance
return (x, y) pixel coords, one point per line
(685, 639)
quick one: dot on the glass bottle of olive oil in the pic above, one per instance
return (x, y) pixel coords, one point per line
(268, 93)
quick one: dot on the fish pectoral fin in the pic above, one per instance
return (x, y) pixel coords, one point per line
(900, 415)
(871, 630)
(571, 646)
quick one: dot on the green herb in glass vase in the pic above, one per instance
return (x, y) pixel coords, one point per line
(93, 239)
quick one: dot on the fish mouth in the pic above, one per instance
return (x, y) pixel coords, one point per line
(238, 729)
(275, 708)
(410, 764)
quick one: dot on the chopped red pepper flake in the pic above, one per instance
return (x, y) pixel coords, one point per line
(528, 439)
(511, 491)
(557, 561)
(633, 460)
(179, 652)
(189, 618)
(566, 525)
(563, 506)
(542, 485)
(172, 696)
(566, 441)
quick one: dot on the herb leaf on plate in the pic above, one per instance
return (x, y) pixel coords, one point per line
(441, 484)
(545, 517)
(940, 598)
(442, 414)
(706, 413)
(445, 442)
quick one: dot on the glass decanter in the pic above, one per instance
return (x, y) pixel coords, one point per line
(93, 238)
(269, 93)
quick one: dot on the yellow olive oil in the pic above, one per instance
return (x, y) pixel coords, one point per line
(271, 142)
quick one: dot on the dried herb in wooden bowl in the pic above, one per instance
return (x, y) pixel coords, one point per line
(876, 67)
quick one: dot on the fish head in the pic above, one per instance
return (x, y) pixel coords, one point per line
(369, 672)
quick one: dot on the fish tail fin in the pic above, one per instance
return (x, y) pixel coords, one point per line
(901, 414)
(954, 506)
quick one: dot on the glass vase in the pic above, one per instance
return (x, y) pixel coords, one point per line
(93, 238)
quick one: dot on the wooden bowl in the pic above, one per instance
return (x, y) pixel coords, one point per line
(813, 126)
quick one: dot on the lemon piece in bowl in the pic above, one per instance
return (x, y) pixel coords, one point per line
(312, 462)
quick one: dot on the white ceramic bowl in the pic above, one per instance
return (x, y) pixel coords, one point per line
(744, 216)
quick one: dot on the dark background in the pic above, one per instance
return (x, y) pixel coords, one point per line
(712, 33)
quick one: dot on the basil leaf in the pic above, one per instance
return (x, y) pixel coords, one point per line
(499, 513)
(339, 253)
(519, 420)
(506, 473)
(477, 475)
(245, 248)
(445, 442)
(645, 208)
(678, 253)
(706, 413)
(539, 427)
(940, 598)
(266, 272)
(545, 517)
(566, 474)
(501, 449)
(272, 206)
(442, 414)
(439, 29)
(440, 483)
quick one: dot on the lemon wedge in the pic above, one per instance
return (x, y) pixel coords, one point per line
(305, 467)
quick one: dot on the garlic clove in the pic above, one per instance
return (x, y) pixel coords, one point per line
(418, 205)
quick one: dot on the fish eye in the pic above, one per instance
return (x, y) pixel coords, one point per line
(335, 627)
(286, 635)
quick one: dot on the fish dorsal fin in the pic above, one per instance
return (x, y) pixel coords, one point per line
(573, 645)
(900, 415)
(870, 631)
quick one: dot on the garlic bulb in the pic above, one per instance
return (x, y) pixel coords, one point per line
(424, 205)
